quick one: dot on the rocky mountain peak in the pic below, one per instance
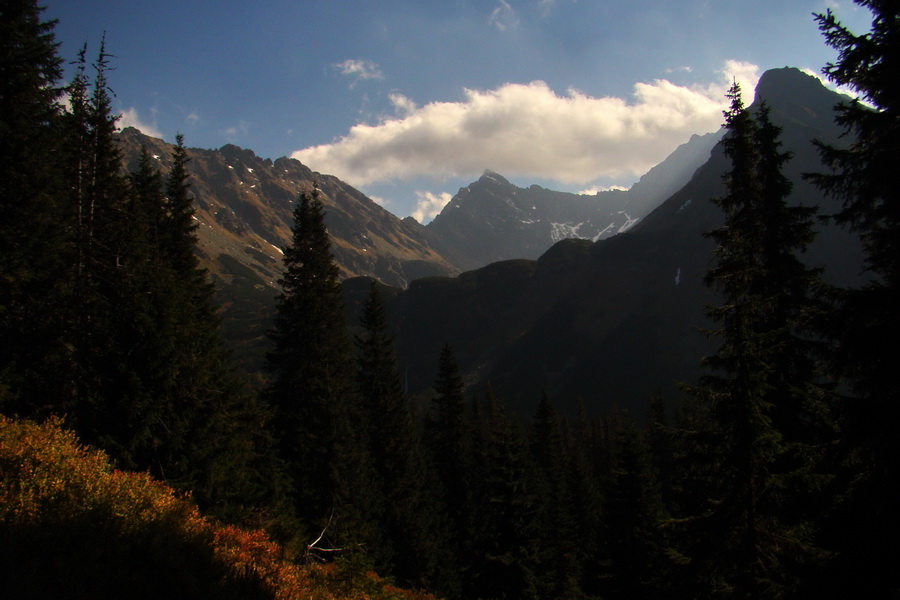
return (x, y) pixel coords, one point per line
(788, 84)
(493, 177)
(492, 219)
(796, 96)
(241, 155)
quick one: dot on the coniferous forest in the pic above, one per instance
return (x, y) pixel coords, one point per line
(135, 460)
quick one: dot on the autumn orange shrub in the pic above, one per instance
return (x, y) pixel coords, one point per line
(73, 526)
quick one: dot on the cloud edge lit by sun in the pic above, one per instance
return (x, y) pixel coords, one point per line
(530, 130)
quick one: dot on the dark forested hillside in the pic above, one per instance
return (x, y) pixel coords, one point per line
(612, 321)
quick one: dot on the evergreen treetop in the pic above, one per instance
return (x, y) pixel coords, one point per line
(33, 235)
(864, 325)
(762, 382)
(318, 415)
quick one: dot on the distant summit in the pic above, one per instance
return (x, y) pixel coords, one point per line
(790, 87)
(489, 174)
(493, 220)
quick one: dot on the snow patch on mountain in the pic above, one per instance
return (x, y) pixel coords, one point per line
(603, 231)
(629, 222)
(564, 231)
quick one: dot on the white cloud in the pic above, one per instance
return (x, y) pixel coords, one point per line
(684, 69)
(359, 70)
(428, 205)
(596, 189)
(504, 17)
(746, 74)
(130, 118)
(528, 130)
(402, 105)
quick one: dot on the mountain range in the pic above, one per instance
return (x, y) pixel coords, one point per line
(244, 209)
(492, 220)
(244, 215)
(614, 321)
(593, 297)
(244, 204)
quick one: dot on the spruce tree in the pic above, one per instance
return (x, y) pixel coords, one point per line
(447, 432)
(865, 323)
(33, 241)
(449, 405)
(209, 434)
(501, 544)
(446, 443)
(110, 312)
(140, 330)
(189, 360)
(317, 414)
(179, 239)
(748, 545)
(98, 196)
(586, 509)
(633, 556)
(557, 532)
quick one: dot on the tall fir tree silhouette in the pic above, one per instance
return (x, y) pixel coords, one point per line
(865, 324)
(33, 238)
(320, 426)
(208, 433)
(447, 440)
(744, 544)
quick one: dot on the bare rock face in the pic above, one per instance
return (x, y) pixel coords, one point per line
(244, 207)
(492, 220)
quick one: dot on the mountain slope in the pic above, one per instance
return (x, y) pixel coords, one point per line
(492, 219)
(244, 206)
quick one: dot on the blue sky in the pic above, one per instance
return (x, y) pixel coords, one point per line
(410, 100)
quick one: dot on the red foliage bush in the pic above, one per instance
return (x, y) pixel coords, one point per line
(73, 526)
